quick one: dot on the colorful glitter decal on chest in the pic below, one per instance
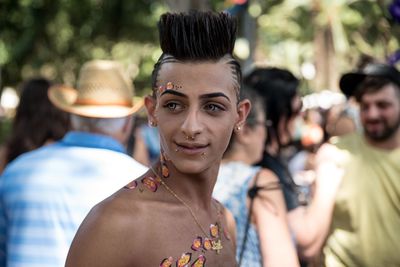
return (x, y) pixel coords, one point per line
(184, 260)
(131, 185)
(214, 230)
(150, 183)
(197, 243)
(199, 262)
(207, 244)
(167, 262)
(227, 235)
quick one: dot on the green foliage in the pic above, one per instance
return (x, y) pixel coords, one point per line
(54, 37)
(286, 30)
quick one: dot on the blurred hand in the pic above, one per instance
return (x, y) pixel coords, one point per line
(329, 170)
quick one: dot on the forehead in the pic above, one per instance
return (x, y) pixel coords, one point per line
(199, 76)
(388, 93)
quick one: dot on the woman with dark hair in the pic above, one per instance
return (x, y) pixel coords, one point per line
(167, 217)
(254, 195)
(283, 103)
(37, 121)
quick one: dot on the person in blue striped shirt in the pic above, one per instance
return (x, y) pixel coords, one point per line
(46, 193)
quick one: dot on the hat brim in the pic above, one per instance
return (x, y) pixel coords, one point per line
(350, 81)
(64, 98)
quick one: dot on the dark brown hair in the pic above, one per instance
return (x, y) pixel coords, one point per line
(373, 84)
(197, 36)
(36, 120)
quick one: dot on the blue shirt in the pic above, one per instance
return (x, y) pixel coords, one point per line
(46, 193)
(231, 188)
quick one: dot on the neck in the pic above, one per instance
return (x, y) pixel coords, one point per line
(194, 188)
(389, 144)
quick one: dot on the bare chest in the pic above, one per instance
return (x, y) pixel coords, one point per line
(174, 239)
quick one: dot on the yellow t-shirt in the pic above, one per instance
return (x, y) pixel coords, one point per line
(365, 228)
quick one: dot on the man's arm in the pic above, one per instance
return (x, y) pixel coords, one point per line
(311, 224)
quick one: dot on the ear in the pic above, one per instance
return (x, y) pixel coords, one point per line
(151, 103)
(244, 107)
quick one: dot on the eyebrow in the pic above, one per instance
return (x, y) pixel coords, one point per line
(173, 92)
(210, 95)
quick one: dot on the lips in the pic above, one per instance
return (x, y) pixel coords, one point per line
(192, 148)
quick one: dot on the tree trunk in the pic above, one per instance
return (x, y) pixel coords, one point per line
(324, 51)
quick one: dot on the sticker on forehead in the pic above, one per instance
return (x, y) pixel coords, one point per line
(168, 86)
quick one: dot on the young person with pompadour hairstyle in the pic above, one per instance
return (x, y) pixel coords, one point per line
(167, 217)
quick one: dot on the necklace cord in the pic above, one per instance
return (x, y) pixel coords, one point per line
(182, 201)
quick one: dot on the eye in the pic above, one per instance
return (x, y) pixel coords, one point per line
(212, 107)
(173, 106)
(383, 105)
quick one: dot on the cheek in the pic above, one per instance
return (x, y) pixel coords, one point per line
(224, 137)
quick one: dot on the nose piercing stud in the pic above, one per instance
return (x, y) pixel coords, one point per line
(189, 137)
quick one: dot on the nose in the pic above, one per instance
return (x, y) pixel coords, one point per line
(191, 125)
(372, 112)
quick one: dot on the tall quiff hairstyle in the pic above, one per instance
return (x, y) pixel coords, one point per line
(197, 36)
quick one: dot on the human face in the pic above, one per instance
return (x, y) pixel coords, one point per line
(196, 111)
(380, 113)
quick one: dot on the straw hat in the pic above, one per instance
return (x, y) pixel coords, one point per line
(103, 90)
(349, 82)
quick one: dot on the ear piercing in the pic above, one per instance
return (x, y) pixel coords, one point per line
(238, 128)
(153, 124)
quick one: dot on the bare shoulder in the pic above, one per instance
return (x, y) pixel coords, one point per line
(269, 198)
(107, 236)
(266, 179)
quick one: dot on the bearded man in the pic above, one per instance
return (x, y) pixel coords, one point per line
(363, 229)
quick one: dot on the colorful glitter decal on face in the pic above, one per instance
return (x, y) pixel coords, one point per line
(161, 89)
(197, 243)
(200, 262)
(214, 231)
(131, 185)
(167, 262)
(170, 85)
(207, 244)
(184, 260)
(150, 183)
